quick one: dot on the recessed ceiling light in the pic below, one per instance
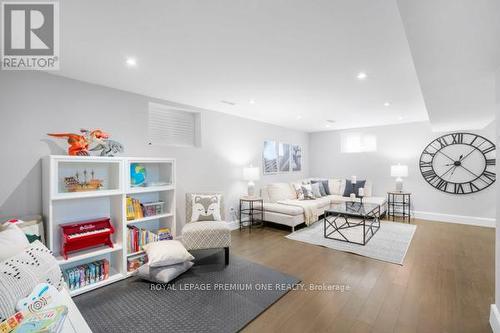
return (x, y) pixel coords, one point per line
(361, 76)
(387, 104)
(252, 101)
(328, 126)
(299, 117)
(401, 118)
(131, 62)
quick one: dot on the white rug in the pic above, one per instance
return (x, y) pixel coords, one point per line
(389, 244)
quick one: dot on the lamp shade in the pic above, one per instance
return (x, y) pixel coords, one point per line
(251, 173)
(399, 171)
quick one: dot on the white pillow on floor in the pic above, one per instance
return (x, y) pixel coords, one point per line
(163, 274)
(166, 252)
(12, 240)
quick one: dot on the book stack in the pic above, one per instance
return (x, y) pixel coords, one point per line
(84, 275)
(134, 209)
(137, 238)
(164, 234)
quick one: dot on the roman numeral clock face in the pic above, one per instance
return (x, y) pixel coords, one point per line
(459, 163)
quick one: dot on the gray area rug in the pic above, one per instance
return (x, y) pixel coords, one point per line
(389, 244)
(131, 306)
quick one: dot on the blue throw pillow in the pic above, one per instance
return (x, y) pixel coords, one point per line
(350, 189)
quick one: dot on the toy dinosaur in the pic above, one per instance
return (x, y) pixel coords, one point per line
(108, 147)
(79, 143)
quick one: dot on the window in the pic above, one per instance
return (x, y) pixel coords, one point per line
(358, 143)
(170, 126)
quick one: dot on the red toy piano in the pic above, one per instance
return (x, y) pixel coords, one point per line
(86, 234)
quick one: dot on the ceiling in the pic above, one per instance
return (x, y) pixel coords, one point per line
(456, 50)
(286, 62)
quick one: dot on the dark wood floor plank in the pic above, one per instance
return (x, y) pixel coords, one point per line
(445, 285)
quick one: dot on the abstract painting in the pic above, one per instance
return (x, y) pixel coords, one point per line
(270, 156)
(296, 152)
(284, 157)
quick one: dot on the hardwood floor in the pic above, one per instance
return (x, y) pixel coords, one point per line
(445, 285)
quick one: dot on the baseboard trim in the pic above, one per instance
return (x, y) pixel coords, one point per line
(494, 319)
(233, 225)
(469, 220)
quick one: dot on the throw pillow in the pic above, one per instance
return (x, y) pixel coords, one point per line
(166, 252)
(326, 187)
(315, 188)
(308, 194)
(206, 207)
(12, 240)
(163, 274)
(335, 186)
(322, 187)
(349, 188)
(298, 191)
(20, 273)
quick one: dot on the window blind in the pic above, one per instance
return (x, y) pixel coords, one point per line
(171, 126)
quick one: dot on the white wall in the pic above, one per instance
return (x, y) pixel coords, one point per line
(33, 104)
(401, 144)
(497, 243)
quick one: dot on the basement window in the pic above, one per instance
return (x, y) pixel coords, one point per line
(358, 143)
(171, 126)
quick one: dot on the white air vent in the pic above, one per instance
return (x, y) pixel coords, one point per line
(173, 126)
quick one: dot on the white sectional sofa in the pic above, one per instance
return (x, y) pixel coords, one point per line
(293, 216)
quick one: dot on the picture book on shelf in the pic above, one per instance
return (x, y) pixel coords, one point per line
(137, 238)
(137, 210)
(84, 275)
(134, 209)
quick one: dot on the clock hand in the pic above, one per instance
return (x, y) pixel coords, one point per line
(444, 174)
(439, 151)
(463, 158)
(474, 174)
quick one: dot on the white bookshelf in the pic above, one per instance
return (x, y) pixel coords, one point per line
(60, 207)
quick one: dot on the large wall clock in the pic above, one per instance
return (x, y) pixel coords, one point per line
(459, 163)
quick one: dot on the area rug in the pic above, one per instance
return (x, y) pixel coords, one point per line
(210, 297)
(389, 244)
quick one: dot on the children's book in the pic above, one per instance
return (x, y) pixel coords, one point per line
(45, 321)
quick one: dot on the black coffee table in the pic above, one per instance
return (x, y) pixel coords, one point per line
(352, 222)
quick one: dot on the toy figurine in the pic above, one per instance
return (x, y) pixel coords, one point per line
(108, 147)
(79, 143)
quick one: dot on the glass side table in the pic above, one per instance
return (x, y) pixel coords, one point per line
(251, 212)
(399, 205)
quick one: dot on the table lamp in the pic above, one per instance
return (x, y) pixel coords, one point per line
(251, 174)
(399, 171)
